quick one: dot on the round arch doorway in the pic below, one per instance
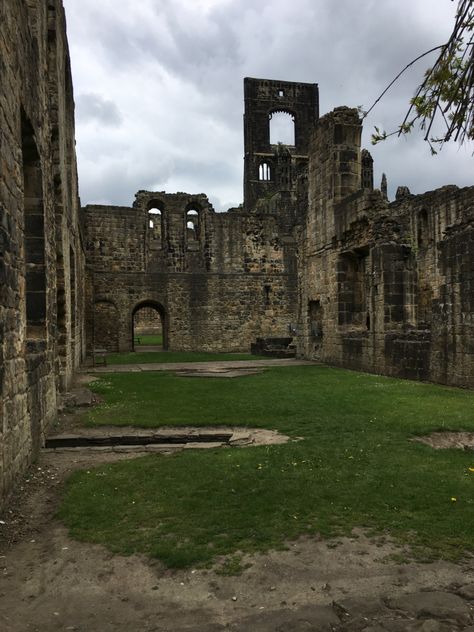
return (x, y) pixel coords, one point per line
(149, 327)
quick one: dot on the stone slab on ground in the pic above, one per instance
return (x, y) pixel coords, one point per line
(219, 373)
(183, 366)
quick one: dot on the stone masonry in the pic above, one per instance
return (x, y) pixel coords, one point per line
(218, 280)
(314, 252)
(41, 255)
(384, 287)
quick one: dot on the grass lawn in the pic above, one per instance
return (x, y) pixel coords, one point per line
(354, 467)
(147, 357)
(149, 340)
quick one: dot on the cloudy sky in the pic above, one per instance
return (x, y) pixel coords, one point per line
(159, 86)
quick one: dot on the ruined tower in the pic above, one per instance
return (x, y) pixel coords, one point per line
(269, 166)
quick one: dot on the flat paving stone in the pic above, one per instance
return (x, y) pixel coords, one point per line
(184, 366)
(221, 373)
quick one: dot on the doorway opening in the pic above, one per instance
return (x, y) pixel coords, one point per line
(149, 327)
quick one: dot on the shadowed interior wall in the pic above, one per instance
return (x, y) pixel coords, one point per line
(384, 287)
(39, 224)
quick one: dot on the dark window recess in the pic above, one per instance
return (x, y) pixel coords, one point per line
(35, 268)
(267, 289)
(315, 313)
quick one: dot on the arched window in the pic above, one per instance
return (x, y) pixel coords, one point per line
(154, 217)
(282, 128)
(264, 173)
(192, 227)
(155, 225)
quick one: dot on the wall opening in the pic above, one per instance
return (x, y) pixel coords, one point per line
(34, 235)
(267, 292)
(315, 315)
(61, 311)
(352, 290)
(264, 172)
(149, 327)
(422, 229)
(282, 128)
(192, 229)
(155, 225)
(72, 281)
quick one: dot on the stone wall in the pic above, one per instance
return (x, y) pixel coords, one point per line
(270, 168)
(385, 288)
(219, 280)
(41, 256)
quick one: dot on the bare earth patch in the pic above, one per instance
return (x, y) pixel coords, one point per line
(440, 440)
(50, 582)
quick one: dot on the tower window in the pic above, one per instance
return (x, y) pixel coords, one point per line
(264, 173)
(282, 128)
(192, 228)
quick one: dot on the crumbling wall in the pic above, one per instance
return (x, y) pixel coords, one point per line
(219, 280)
(385, 288)
(41, 257)
(270, 168)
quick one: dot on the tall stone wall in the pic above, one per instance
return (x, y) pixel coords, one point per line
(41, 255)
(270, 168)
(385, 288)
(218, 280)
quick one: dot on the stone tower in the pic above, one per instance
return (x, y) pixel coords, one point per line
(271, 168)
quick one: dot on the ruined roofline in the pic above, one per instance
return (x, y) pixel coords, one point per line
(446, 191)
(280, 82)
(111, 207)
(343, 112)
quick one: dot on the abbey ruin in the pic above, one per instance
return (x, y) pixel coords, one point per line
(314, 254)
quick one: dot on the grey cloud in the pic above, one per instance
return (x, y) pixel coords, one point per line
(93, 107)
(194, 63)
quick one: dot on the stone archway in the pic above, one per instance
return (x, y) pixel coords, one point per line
(149, 325)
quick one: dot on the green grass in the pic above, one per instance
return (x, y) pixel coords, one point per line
(355, 466)
(147, 357)
(149, 340)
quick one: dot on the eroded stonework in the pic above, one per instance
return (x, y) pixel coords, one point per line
(41, 255)
(385, 287)
(218, 281)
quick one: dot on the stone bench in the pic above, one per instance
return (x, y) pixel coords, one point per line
(99, 357)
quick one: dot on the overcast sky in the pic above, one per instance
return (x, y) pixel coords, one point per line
(159, 86)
